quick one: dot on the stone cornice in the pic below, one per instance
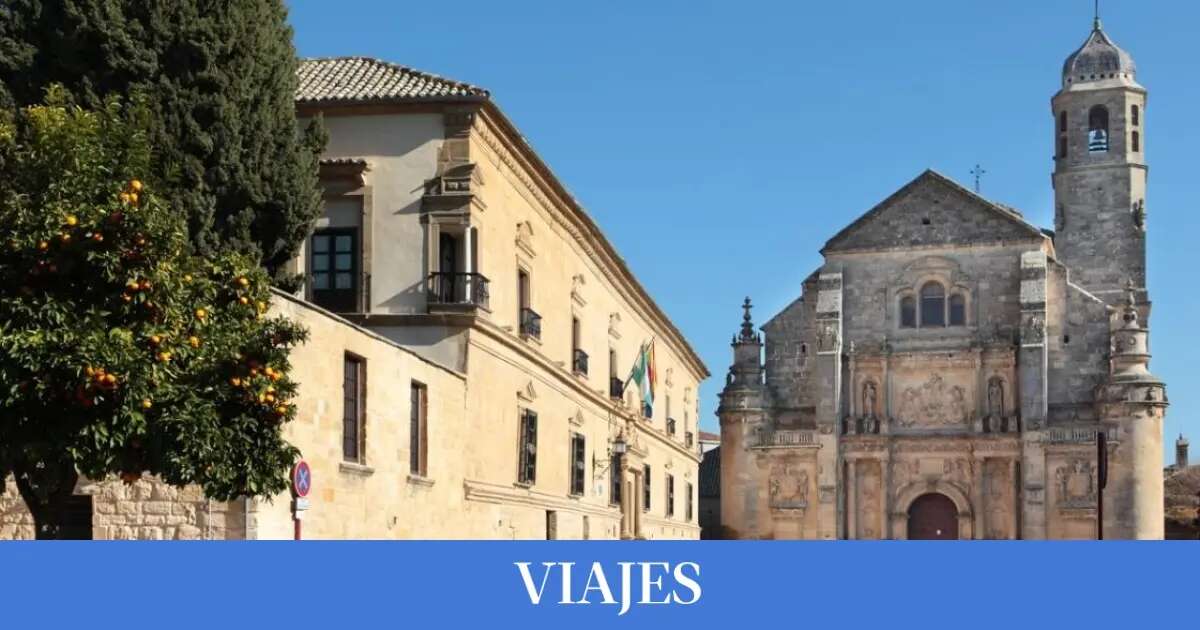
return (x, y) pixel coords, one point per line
(512, 494)
(502, 136)
(572, 382)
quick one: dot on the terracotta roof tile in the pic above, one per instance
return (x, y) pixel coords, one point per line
(367, 80)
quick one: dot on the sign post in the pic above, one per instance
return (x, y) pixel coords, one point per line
(1101, 479)
(301, 485)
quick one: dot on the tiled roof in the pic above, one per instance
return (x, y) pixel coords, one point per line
(367, 80)
(706, 436)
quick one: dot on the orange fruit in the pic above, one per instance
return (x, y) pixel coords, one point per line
(43, 245)
(243, 281)
(135, 186)
(243, 300)
(194, 341)
(201, 313)
(164, 356)
(155, 340)
(71, 219)
(235, 381)
(146, 404)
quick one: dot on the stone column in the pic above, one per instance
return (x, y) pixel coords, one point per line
(851, 499)
(828, 375)
(1031, 384)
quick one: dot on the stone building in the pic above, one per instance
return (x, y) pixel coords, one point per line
(472, 330)
(947, 370)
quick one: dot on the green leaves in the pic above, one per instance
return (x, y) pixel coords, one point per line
(120, 351)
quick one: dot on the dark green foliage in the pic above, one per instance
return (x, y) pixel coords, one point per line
(219, 78)
(121, 353)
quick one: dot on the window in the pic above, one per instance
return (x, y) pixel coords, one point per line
(688, 513)
(958, 310)
(646, 488)
(334, 269)
(523, 288)
(1098, 129)
(578, 463)
(1062, 147)
(614, 474)
(933, 305)
(908, 313)
(670, 496)
(1136, 142)
(353, 399)
(1062, 122)
(417, 430)
(616, 388)
(1136, 116)
(551, 525)
(530, 321)
(579, 358)
(527, 465)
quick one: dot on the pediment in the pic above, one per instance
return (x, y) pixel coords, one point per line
(933, 210)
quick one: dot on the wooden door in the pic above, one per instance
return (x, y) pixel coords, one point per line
(933, 517)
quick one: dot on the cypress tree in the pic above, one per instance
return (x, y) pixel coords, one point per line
(219, 77)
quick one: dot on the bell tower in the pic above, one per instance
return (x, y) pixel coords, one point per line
(1100, 169)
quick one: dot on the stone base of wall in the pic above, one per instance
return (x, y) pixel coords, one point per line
(144, 510)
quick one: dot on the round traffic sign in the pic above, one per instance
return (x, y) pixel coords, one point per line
(301, 479)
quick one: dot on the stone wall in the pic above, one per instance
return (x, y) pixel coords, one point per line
(145, 510)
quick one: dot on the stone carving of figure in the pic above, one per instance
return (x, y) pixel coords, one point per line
(868, 399)
(958, 406)
(995, 398)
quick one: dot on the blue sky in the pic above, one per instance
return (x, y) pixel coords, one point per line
(719, 144)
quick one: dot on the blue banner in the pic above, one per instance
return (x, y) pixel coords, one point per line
(660, 585)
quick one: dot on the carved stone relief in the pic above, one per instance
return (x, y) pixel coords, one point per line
(870, 504)
(998, 500)
(788, 487)
(1076, 484)
(934, 404)
(828, 339)
(1033, 328)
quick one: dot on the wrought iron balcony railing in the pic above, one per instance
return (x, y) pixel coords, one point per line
(616, 387)
(464, 289)
(531, 323)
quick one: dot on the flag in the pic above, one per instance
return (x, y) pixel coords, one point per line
(643, 374)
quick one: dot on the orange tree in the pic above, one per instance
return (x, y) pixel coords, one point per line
(121, 352)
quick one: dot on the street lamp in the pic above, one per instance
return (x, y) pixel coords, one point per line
(619, 447)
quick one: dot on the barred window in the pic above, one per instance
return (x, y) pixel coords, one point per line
(689, 512)
(353, 404)
(527, 465)
(418, 430)
(578, 464)
(646, 488)
(614, 474)
(670, 496)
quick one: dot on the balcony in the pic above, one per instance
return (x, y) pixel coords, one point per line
(579, 362)
(670, 426)
(457, 290)
(616, 388)
(531, 323)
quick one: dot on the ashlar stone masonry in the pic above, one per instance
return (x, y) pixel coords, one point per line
(947, 371)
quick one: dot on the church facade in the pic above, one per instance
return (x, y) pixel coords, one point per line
(949, 370)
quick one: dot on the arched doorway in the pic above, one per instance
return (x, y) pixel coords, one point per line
(933, 517)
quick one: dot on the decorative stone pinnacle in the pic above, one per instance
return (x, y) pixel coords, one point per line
(747, 325)
(1130, 315)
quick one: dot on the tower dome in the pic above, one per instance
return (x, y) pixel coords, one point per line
(1098, 59)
